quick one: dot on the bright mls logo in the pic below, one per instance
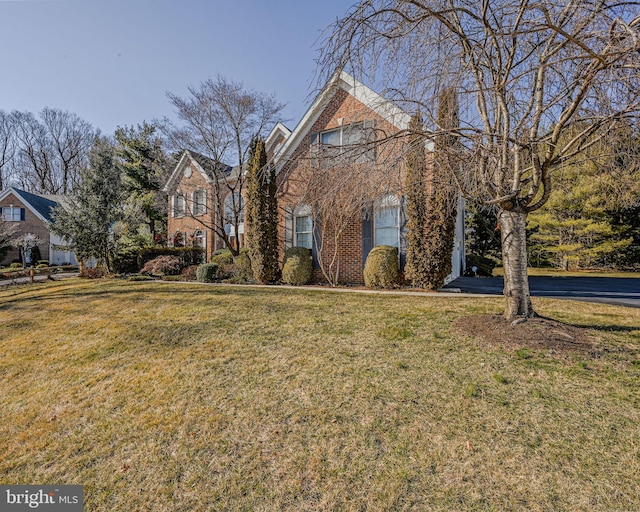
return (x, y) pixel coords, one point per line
(49, 498)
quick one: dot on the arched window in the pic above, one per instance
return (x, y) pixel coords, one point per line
(198, 239)
(303, 227)
(386, 221)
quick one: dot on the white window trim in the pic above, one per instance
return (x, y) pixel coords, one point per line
(202, 236)
(195, 204)
(13, 209)
(302, 211)
(340, 130)
(183, 212)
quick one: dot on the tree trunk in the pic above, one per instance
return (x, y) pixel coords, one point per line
(514, 260)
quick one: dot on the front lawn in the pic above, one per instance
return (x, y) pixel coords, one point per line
(186, 397)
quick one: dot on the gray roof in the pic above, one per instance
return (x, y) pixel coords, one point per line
(210, 166)
(43, 205)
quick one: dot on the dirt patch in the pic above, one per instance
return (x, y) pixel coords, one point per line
(535, 333)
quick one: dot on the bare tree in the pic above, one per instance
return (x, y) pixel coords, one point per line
(7, 146)
(51, 152)
(25, 243)
(220, 119)
(72, 139)
(35, 155)
(339, 186)
(7, 230)
(525, 73)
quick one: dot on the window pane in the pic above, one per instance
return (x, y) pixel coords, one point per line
(386, 226)
(387, 217)
(387, 236)
(304, 234)
(352, 134)
(331, 138)
(303, 224)
(180, 205)
(304, 240)
(198, 198)
(234, 203)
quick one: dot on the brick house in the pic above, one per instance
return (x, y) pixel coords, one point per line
(339, 136)
(196, 199)
(348, 117)
(32, 214)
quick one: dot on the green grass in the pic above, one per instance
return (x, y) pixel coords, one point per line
(183, 397)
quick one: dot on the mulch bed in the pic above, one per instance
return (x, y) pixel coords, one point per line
(535, 333)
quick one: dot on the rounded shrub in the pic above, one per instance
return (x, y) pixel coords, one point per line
(224, 257)
(206, 272)
(297, 268)
(381, 267)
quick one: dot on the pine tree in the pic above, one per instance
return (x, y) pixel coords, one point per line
(262, 216)
(88, 216)
(145, 166)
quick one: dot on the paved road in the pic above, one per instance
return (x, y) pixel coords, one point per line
(607, 290)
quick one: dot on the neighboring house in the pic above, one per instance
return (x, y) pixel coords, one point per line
(32, 214)
(345, 113)
(191, 192)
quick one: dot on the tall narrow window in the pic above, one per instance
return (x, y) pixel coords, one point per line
(303, 227)
(199, 202)
(387, 221)
(179, 206)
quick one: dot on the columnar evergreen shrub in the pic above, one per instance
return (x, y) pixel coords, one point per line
(262, 216)
(381, 268)
(297, 268)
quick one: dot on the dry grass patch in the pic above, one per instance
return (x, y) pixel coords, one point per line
(167, 397)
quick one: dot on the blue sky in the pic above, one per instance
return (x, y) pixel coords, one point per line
(112, 61)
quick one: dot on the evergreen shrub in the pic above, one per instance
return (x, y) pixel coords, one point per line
(485, 265)
(381, 267)
(224, 257)
(243, 266)
(297, 268)
(207, 272)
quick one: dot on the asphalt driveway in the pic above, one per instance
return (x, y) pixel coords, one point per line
(607, 290)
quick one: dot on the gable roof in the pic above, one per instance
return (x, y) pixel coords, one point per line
(278, 129)
(208, 167)
(40, 205)
(342, 80)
